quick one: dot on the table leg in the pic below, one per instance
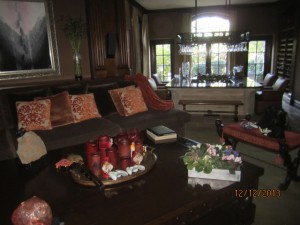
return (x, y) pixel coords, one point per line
(236, 113)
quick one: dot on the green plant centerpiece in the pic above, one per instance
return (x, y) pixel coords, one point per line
(205, 158)
(75, 30)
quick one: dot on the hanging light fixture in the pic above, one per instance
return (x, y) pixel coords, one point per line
(235, 41)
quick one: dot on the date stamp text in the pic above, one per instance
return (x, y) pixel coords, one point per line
(257, 193)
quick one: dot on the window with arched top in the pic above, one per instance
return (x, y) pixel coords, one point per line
(210, 24)
(210, 58)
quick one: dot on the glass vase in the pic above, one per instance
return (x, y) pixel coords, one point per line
(77, 66)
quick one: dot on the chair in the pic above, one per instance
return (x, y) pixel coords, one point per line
(269, 80)
(158, 81)
(162, 92)
(270, 97)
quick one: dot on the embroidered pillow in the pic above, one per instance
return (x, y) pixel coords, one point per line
(132, 101)
(34, 115)
(115, 96)
(61, 110)
(84, 107)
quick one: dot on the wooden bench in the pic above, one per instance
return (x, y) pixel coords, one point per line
(235, 103)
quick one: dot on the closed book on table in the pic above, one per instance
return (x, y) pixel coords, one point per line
(161, 134)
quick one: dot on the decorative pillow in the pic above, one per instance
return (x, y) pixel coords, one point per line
(84, 107)
(132, 101)
(115, 95)
(34, 115)
(61, 110)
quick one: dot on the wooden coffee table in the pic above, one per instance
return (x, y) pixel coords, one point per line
(162, 196)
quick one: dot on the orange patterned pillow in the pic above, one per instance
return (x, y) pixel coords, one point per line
(114, 94)
(132, 101)
(84, 107)
(34, 115)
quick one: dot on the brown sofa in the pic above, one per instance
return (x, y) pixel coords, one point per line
(110, 123)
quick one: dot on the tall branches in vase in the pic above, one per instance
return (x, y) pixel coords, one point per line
(75, 30)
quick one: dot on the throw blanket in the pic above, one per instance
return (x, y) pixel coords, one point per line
(151, 98)
(30, 147)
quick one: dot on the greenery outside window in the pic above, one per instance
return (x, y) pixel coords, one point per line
(162, 63)
(256, 60)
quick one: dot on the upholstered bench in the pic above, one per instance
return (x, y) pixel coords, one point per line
(234, 132)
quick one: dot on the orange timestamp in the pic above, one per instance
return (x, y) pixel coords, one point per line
(257, 193)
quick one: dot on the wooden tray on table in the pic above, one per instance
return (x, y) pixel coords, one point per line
(149, 160)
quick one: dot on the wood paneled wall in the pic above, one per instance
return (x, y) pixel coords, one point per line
(108, 17)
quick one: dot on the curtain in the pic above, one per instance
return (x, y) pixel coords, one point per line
(136, 40)
(146, 46)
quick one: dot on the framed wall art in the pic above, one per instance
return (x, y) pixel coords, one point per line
(28, 45)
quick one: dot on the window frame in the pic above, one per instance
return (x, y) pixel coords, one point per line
(208, 64)
(268, 53)
(153, 44)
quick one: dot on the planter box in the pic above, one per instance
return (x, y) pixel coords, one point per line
(216, 174)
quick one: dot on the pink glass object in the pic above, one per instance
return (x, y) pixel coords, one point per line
(32, 211)
(113, 156)
(104, 141)
(124, 149)
(125, 162)
(95, 165)
(91, 149)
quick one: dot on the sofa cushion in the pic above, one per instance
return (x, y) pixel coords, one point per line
(77, 133)
(103, 100)
(132, 101)
(61, 110)
(34, 115)
(171, 118)
(84, 107)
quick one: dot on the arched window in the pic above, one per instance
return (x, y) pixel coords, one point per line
(210, 58)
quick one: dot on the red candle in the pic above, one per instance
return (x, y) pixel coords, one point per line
(91, 148)
(113, 156)
(139, 147)
(104, 141)
(124, 149)
(102, 152)
(125, 162)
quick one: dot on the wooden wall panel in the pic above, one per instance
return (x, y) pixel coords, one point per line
(108, 17)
